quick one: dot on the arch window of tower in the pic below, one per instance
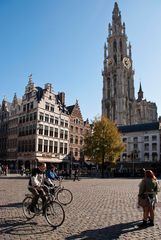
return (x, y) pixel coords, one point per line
(120, 45)
(115, 58)
(115, 81)
(108, 88)
(115, 46)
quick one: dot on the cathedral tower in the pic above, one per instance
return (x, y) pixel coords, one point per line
(118, 83)
(118, 102)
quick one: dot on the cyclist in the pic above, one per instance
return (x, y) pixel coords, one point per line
(35, 185)
(51, 176)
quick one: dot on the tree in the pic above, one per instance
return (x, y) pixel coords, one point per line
(103, 143)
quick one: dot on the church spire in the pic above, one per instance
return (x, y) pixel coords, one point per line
(140, 93)
(116, 20)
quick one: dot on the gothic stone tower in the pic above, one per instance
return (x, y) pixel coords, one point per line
(118, 83)
(118, 102)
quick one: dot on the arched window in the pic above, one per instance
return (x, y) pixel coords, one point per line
(120, 45)
(115, 84)
(108, 88)
(115, 46)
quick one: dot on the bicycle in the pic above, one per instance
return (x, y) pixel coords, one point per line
(52, 210)
(63, 195)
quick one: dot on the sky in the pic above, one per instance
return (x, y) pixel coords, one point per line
(62, 42)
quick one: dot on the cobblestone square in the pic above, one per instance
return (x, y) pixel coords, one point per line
(102, 209)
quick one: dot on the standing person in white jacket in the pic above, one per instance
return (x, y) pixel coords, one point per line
(36, 185)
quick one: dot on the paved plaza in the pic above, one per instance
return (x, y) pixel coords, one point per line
(102, 209)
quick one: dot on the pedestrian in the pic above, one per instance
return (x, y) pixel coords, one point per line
(148, 189)
(76, 174)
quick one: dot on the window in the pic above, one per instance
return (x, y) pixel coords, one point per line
(146, 157)
(31, 117)
(76, 139)
(24, 108)
(135, 146)
(47, 106)
(33, 145)
(30, 129)
(66, 123)
(65, 148)
(135, 139)
(34, 128)
(35, 115)
(28, 107)
(56, 132)
(76, 129)
(66, 135)
(154, 138)
(40, 129)
(146, 147)
(51, 131)
(62, 123)
(81, 141)
(71, 128)
(51, 119)
(50, 146)
(52, 108)
(154, 147)
(46, 131)
(61, 148)
(146, 138)
(76, 152)
(31, 105)
(27, 117)
(55, 147)
(20, 120)
(56, 121)
(81, 131)
(45, 145)
(71, 138)
(61, 134)
(46, 118)
(40, 145)
(41, 117)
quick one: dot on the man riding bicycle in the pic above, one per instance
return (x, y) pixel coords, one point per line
(36, 185)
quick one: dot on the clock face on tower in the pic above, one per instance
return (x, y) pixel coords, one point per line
(126, 62)
(110, 62)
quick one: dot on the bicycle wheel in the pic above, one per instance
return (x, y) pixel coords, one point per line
(54, 214)
(64, 196)
(26, 208)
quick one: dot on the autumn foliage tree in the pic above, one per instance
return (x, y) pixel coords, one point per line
(103, 143)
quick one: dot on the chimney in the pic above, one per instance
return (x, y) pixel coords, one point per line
(61, 96)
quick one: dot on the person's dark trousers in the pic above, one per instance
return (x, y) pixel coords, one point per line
(36, 194)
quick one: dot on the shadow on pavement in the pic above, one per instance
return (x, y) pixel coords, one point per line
(109, 233)
(21, 227)
(12, 205)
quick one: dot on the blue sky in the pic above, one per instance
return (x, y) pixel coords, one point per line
(62, 42)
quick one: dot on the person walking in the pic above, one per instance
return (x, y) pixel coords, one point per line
(148, 189)
(76, 174)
